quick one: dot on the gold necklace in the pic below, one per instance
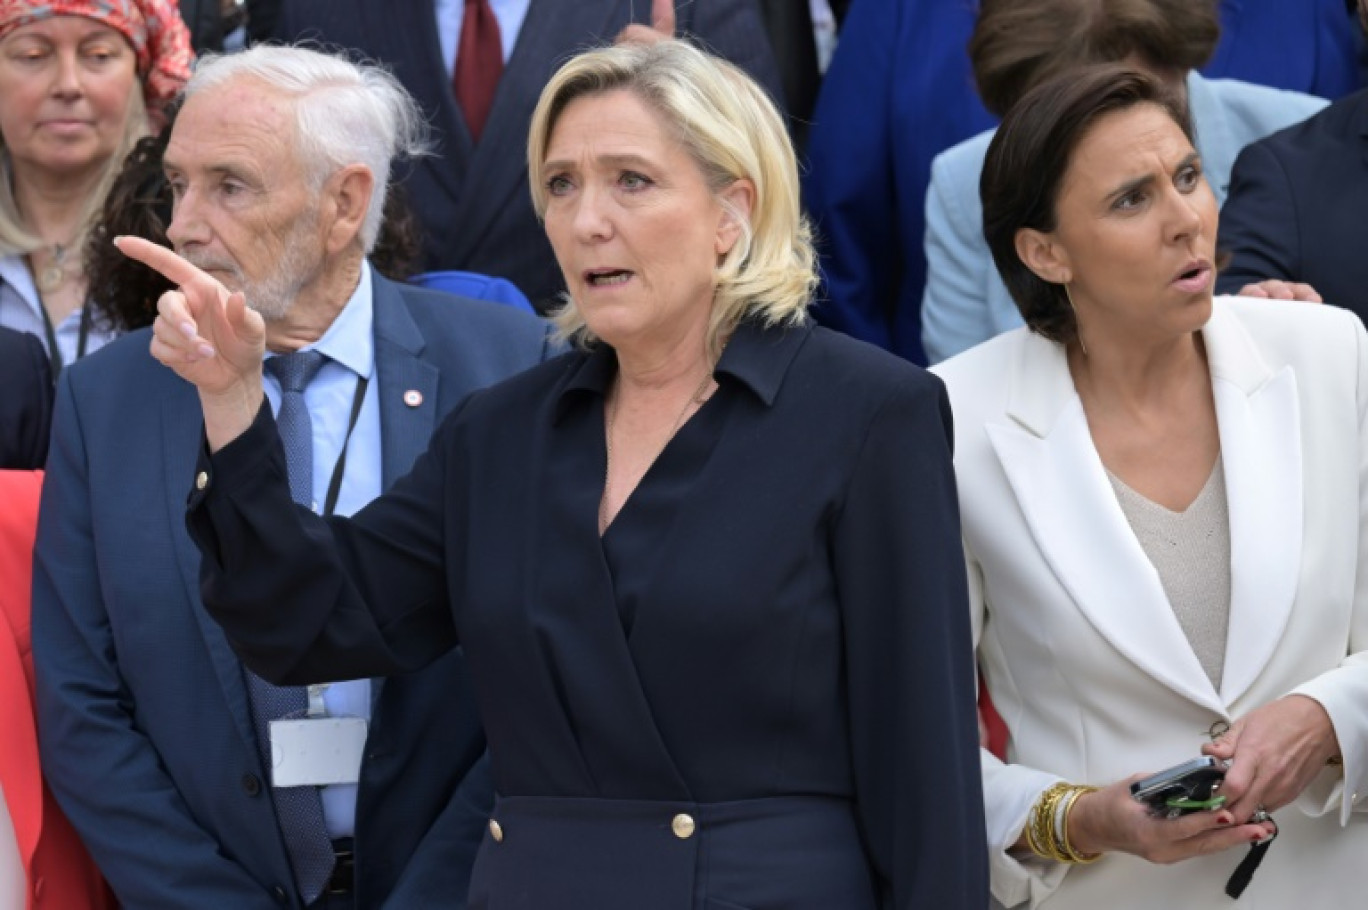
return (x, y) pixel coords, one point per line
(53, 275)
(697, 398)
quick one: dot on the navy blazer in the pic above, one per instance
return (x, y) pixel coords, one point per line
(146, 733)
(756, 690)
(1296, 207)
(25, 401)
(473, 201)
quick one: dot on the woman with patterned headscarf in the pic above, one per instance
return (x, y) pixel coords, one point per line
(80, 82)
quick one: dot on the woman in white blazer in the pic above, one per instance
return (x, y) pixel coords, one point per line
(1163, 500)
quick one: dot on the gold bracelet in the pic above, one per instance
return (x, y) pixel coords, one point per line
(1047, 827)
(1040, 822)
(1065, 846)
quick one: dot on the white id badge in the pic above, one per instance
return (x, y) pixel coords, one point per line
(317, 751)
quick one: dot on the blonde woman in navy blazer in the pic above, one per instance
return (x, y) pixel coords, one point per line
(703, 568)
(1104, 228)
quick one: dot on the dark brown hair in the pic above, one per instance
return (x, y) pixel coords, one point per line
(1026, 165)
(1018, 44)
(123, 292)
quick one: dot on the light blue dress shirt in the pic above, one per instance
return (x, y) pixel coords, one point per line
(21, 310)
(349, 345)
(451, 13)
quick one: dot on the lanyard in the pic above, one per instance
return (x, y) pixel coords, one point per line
(335, 483)
(317, 707)
(1240, 878)
(54, 352)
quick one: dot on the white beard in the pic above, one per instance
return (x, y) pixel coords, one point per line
(273, 295)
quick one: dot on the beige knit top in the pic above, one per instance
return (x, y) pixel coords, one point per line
(1191, 552)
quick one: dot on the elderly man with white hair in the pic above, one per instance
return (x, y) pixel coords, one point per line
(193, 782)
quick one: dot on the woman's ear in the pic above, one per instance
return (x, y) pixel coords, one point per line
(738, 199)
(1041, 253)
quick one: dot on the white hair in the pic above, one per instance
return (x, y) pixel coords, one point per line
(345, 113)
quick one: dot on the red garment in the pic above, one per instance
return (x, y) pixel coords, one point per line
(992, 722)
(154, 28)
(60, 873)
(479, 64)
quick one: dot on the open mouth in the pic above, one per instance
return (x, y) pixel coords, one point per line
(604, 278)
(1194, 278)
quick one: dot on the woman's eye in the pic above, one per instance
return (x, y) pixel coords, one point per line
(631, 180)
(1188, 178)
(1129, 201)
(100, 52)
(558, 185)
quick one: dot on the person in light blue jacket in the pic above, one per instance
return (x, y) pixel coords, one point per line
(1018, 44)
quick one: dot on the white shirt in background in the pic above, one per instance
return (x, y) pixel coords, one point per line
(13, 884)
(451, 13)
(824, 28)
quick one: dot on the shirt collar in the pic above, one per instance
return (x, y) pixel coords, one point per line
(349, 341)
(757, 356)
(15, 273)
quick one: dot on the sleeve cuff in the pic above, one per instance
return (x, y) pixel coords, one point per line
(1009, 792)
(1343, 693)
(226, 468)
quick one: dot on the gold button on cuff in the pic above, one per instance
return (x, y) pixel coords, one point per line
(683, 826)
(201, 480)
(496, 831)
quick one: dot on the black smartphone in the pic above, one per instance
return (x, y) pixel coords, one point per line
(1189, 787)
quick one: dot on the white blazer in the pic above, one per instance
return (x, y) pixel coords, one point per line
(1079, 646)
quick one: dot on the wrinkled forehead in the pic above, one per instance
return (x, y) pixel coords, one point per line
(123, 17)
(243, 117)
(1126, 144)
(62, 28)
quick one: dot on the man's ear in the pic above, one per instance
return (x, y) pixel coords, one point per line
(347, 198)
(1042, 254)
(739, 199)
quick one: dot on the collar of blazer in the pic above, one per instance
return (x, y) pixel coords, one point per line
(1059, 482)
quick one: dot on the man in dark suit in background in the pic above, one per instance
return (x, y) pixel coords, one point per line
(1296, 206)
(472, 196)
(154, 737)
(789, 24)
(212, 21)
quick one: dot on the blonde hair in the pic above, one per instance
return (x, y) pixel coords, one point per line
(731, 129)
(16, 238)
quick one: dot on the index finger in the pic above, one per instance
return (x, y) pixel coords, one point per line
(162, 259)
(663, 17)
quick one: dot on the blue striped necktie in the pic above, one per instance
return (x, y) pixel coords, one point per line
(299, 810)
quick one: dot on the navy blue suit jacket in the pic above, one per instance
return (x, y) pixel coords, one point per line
(472, 200)
(770, 638)
(146, 733)
(1296, 207)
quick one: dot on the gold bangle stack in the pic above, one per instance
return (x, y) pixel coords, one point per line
(1047, 827)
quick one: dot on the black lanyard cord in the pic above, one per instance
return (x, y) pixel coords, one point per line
(1239, 879)
(340, 468)
(54, 352)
